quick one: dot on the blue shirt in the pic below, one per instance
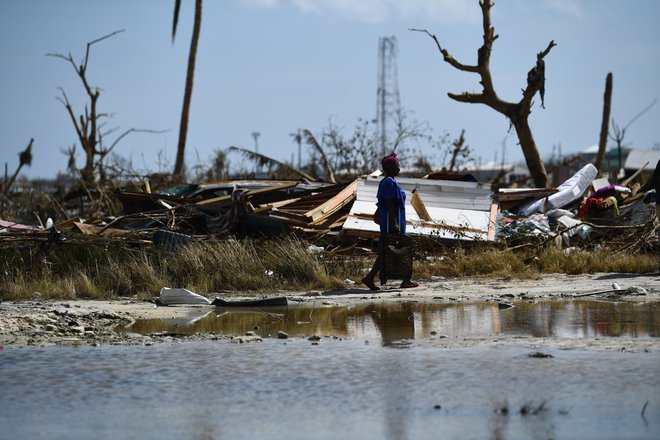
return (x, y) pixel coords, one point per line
(388, 189)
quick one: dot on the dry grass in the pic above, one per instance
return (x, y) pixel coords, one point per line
(554, 260)
(101, 270)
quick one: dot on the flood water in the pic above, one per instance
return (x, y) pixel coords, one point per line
(380, 377)
(387, 322)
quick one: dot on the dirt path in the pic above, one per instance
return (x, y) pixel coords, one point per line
(80, 322)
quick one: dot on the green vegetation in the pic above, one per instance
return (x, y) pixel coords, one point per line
(93, 269)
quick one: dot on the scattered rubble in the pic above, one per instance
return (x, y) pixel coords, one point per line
(576, 214)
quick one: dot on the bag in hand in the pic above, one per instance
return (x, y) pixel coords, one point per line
(396, 257)
(376, 216)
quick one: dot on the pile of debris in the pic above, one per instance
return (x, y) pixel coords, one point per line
(582, 209)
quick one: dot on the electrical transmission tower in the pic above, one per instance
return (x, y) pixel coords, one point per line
(388, 87)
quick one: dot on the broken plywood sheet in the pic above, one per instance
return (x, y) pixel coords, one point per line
(457, 210)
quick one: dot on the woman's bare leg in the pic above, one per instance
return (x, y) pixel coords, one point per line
(369, 279)
(408, 283)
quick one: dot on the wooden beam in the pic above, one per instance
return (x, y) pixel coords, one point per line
(344, 197)
(250, 193)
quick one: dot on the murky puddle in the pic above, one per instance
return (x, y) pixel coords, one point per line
(390, 322)
(345, 387)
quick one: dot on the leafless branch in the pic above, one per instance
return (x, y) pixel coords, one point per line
(83, 66)
(68, 58)
(638, 115)
(446, 55)
(64, 99)
(132, 130)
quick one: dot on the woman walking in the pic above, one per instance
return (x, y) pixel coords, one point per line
(391, 214)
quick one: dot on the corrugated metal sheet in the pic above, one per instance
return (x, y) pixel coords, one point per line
(459, 210)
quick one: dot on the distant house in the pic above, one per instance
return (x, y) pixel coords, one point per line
(610, 161)
(492, 170)
(638, 159)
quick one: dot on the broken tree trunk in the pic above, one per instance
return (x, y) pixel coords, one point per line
(604, 127)
(531, 153)
(517, 113)
(25, 158)
(187, 96)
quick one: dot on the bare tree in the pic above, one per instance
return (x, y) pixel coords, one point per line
(24, 158)
(460, 150)
(518, 112)
(190, 74)
(619, 133)
(88, 124)
(604, 127)
(360, 151)
(455, 155)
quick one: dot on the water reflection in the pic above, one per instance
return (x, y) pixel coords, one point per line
(394, 323)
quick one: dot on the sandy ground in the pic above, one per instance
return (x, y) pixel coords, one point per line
(80, 322)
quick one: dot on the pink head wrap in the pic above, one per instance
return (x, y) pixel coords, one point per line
(390, 161)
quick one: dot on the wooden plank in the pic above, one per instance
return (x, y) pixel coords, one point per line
(249, 193)
(288, 215)
(635, 174)
(338, 223)
(214, 201)
(506, 194)
(98, 230)
(492, 222)
(327, 221)
(68, 223)
(344, 197)
(289, 221)
(418, 204)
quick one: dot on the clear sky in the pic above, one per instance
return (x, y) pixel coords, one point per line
(274, 66)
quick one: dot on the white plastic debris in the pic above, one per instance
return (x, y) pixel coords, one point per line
(636, 290)
(312, 249)
(555, 214)
(171, 296)
(569, 191)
